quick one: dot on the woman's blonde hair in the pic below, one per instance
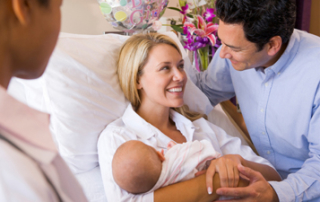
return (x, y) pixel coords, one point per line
(133, 57)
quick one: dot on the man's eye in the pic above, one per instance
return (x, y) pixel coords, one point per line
(181, 66)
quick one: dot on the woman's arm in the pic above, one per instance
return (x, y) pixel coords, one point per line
(193, 190)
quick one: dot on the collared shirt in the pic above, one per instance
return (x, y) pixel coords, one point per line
(280, 106)
(132, 127)
(22, 173)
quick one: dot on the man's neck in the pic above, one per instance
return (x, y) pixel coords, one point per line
(5, 70)
(277, 56)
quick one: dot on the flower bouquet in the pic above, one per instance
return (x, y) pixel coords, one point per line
(198, 29)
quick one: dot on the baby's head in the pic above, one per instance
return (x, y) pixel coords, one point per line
(136, 167)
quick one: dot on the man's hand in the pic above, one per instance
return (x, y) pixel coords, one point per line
(258, 190)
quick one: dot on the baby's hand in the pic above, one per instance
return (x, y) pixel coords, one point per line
(171, 144)
(227, 168)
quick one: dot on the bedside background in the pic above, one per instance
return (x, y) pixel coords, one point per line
(84, 16)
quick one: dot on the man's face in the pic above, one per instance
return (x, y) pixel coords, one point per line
(242, 53)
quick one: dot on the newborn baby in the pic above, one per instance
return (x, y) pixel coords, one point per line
(139, 168)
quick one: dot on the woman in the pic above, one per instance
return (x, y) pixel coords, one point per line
(31, 168)
(152, 77)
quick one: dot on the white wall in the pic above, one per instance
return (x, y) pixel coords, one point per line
(84, 17)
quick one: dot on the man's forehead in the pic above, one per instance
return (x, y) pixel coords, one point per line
(232, 35)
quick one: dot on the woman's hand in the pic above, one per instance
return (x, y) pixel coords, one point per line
(227, 167)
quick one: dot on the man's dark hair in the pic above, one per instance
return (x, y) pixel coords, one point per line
(261, 19)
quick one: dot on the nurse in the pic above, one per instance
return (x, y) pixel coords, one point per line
(152, 77)
(31, 168)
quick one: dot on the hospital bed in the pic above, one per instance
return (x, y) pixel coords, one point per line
(80, 90)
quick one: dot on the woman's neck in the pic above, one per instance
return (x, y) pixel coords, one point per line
(158, 116)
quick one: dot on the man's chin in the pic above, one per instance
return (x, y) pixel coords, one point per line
(238, 67)
(31, 75)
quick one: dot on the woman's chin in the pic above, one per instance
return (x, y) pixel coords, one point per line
(178, 104)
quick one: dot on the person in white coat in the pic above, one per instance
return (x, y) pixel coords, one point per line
(31, 168)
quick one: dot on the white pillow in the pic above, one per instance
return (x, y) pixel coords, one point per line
(85, 96)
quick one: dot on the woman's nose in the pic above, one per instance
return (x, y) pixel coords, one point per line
(224, 52)
(179, 74)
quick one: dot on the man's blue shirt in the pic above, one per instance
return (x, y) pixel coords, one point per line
(280, 105)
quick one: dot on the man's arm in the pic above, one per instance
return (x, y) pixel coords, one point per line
(215, 82)
(302, 185)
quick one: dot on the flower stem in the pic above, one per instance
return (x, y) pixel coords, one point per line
(204, 57)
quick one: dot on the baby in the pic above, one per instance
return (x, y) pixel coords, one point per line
(139, 168)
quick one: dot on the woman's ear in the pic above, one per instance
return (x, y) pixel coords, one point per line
(21, 9)
(139, 86)
(274, 45)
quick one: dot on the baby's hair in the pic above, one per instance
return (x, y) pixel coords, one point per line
(136, 167)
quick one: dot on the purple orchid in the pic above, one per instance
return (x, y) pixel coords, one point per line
(209, 14)
(184, 9)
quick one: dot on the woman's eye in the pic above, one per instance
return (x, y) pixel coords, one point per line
(181, 66)
(165, 68)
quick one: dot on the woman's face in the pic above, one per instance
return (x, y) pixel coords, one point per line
(163, 78)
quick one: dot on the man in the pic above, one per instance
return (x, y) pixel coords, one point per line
(31, 168)
(274, 71)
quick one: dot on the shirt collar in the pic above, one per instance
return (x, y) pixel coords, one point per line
(134, 122)
(287, 55)
(25, 123)
(40, 155)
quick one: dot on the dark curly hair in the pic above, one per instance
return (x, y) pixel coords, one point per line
(261, 19)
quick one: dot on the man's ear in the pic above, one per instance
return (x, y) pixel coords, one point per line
(274, 45)
(21, 9)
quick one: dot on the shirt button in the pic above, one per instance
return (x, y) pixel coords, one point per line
(263, 133)
(266, 84)
(278, 73)
(261, 110)
(268, 152)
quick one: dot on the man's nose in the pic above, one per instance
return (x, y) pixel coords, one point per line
(224, 52)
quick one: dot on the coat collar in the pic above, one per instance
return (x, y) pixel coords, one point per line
(24, 123)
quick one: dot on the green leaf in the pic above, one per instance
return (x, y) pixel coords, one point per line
(174, 8)
(177, 28)
(189, 15)
(182, 3)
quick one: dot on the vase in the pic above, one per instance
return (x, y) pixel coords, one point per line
(201, 58)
